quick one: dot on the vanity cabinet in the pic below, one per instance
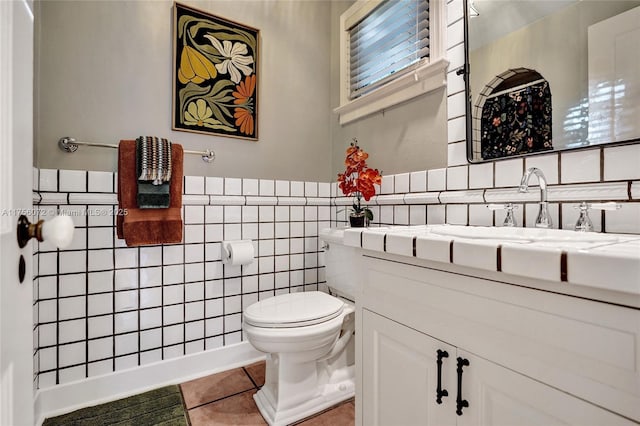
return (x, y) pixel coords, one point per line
(531, 357)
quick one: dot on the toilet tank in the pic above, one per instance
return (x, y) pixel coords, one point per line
(340, 263)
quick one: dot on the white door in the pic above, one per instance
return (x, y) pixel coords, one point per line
(16, 160)
(401, 381)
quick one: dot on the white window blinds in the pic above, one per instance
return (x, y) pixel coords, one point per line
(394, 36)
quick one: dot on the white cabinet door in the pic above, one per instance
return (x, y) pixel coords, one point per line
(400, 379)
(498, 396)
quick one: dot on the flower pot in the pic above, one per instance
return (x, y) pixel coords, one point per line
(357, 220)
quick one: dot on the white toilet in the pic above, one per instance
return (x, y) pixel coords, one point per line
(308, 338)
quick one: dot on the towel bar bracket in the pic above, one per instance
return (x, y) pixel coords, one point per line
(69, 144)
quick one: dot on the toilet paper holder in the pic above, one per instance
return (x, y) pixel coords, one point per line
(238, 252)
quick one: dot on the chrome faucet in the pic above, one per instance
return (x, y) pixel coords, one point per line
(543, 220)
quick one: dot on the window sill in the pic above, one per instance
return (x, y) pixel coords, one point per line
(423, 79)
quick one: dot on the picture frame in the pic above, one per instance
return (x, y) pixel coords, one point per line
(215, 75)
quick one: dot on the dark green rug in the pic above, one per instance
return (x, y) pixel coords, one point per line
(157, 407)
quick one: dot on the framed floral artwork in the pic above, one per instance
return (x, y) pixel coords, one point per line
(215, 83)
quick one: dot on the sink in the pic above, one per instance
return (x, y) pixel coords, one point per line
(522, 234)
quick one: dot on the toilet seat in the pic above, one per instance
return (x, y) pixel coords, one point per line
(294, 310)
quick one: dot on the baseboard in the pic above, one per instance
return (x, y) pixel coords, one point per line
(65, 398)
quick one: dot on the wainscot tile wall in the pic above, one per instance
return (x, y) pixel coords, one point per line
(459, 194)
(101, 306)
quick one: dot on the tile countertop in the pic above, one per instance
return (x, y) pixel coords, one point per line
(610, 265)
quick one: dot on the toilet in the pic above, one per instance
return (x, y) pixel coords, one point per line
(308, 339)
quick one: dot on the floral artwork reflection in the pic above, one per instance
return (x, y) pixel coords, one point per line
(215, 82)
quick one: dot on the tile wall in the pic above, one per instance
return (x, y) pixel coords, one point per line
(102, 307)
(460, 194)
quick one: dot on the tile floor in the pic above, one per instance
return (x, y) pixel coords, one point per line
(226, 399)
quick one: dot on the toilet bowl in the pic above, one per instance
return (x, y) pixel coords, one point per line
(308, 339)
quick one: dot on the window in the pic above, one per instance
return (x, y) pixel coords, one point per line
(391, 52)
(390, 39)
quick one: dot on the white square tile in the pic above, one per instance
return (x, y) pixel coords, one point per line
(418, 181)
(99, 304)
(401, 215)
(401, 183)
(324, 189)
(194, 185)
(71, 261)
(172, 314)
(194, 253)
(214, 233)
(71, 354)
(622, 162)
(282, 188)
(457, 154)
(213, 270)
(193, 214)
(508, 172)
(150, 318)
(311, 189)
(548, 163)
(232, 186)
(282, 213)
(126, 343)
(48, 263)
(71, 331)
(457, 214)
(150, 298)
(126, 321)
(481, 175)
(172, 335)
(436, 179)
(73, 181)
(249, 231)
(232, 231)
(126, 257)
(267, 187)
(100, 182)
(580, 166)
(172, 294)
(456, 105)
(71, 308)
(150, 256)
(100, 238)
(150, 339)
(125, 301)
(232, 304)
(100, 326)
(232, 214)
(98, 282)
(297, 189)
(266, 213)
(126, 279)
(417, 215)
(72, 285)
(386, 215)
(193, 272)
(48, 180)
(250, 187)
(194, 233)
(172, 254)
(214, 214)
(194, 311)
(150, 277)
(214, 326)
(387, 186)
(480, 215)
(249, 214)
(457, 177)
(212, 251)
(173, 274)
(214, 185)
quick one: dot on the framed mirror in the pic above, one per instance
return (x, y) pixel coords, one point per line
(550, 75)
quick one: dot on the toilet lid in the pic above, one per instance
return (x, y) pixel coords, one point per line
(294, 310)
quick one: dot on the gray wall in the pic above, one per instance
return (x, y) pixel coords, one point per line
(103, 73)
(408, 137)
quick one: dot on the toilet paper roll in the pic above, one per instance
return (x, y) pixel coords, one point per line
(238, 252)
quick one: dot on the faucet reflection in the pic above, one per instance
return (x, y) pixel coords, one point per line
(543, 220)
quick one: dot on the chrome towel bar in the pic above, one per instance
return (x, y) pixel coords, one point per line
(69, 144)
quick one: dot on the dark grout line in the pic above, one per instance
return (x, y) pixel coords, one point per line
(220, 399)
(250, 378)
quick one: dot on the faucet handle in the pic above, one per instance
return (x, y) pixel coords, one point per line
(584, 223)
(509, 220)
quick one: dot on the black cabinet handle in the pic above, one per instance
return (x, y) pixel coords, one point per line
(439, 391)
(461, 403)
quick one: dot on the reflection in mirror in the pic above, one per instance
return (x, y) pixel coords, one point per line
(551, 75)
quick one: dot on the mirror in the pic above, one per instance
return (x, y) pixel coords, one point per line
(551, 75)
